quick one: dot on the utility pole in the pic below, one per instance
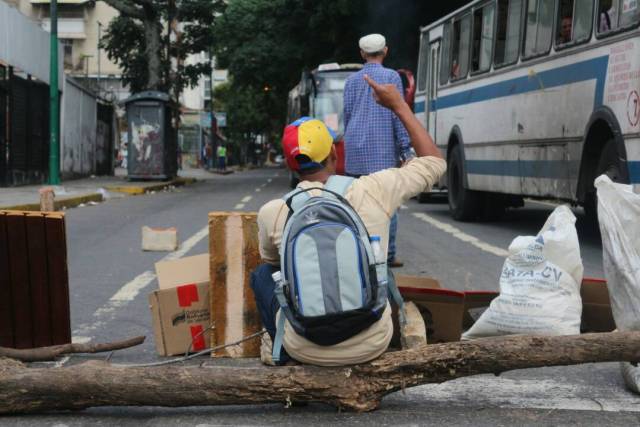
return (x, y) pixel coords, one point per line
(99, 37)
(54, 113)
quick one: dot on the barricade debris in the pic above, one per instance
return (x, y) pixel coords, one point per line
(539, 284)
(159, 239)
(618, 213)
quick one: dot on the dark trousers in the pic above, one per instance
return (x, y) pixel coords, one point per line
(264, 290)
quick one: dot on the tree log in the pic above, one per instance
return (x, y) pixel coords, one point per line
(43, 354)
(359, 388)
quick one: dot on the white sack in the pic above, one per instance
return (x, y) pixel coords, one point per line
(539, 284)
(619, 217)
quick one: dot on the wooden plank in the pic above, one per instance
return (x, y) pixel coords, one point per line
(19, 273)
(58, 278)
(233, 249)
(218, 276)
(6, 306)
(251, 254)
(38, 279)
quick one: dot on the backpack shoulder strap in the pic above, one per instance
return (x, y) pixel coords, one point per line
(339, 184)
(298, 196)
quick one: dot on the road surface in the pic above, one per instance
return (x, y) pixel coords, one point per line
(110, 278)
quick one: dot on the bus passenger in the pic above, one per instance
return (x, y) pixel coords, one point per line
(565, 30)
(608, 16)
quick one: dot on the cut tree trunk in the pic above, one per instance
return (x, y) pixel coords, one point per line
(360, 388)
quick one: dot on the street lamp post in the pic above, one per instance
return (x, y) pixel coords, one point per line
(54, 113)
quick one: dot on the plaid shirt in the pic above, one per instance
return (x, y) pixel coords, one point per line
(374, 137)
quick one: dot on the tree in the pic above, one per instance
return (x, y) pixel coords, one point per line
(268, 43)
(135, 41)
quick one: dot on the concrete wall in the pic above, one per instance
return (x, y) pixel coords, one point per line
(24, 45)
(79, 129)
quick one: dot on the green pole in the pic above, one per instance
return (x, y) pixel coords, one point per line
(54, 113)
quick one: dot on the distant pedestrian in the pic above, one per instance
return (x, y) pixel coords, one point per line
(375, 139)
(222, 157)
(208, 150)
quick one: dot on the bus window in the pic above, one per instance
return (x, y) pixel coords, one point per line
(422, 62)
(574, 21)
(614, 14)
(539, 27)
(508, 33)
(445, 61)
(482, 38)
(460, 52)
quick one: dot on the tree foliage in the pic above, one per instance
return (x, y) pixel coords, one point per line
(268, 43)
(151, 56)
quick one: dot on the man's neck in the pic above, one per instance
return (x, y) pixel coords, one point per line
(320, 176)
(375, 61)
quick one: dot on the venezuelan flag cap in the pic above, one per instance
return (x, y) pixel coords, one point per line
(307, 143)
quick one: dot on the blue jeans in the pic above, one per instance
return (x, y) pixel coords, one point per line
(393, 231)
(264, 290)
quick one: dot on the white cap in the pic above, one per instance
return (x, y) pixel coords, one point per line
(373, 43)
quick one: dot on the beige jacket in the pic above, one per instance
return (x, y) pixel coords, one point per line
(375, 198)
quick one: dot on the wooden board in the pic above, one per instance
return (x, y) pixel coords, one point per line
(234, 255)
(6, 301)
(34, 292)
(19, 276)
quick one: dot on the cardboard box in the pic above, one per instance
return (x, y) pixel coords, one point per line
(180, 308)
(596, 307)
(446, 312)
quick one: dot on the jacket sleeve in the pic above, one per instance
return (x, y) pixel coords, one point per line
(270, 225)
(392, 187)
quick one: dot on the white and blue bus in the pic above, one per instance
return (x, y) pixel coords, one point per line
(532, 98)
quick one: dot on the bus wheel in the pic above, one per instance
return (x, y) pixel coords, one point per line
(463, 203)
(609, 164)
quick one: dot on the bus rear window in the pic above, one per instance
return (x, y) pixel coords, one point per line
(617, 14)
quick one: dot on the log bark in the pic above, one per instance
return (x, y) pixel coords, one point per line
(43, 354)
(359, 388)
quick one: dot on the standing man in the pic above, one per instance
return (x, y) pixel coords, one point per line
(375, 139)
(222, 158)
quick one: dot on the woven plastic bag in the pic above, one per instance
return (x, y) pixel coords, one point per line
(619, 217)
(539, 284)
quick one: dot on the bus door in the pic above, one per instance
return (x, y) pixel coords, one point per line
(432, 87)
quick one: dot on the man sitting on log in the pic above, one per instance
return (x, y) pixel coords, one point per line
(309, 150)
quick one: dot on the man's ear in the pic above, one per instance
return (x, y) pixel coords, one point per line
(363, 55)
(385, 51)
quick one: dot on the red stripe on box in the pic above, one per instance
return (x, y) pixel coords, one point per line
(187, 294)
(197, 338)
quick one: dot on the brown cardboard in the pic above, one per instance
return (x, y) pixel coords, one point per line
(193, 269)
(447, 313)
(596, 307)
(180, 310)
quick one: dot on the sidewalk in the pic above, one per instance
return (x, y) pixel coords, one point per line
(78, 192)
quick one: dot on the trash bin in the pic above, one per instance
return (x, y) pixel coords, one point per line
(152, 149)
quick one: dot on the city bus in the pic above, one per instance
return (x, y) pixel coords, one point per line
(532, 98)
(320, 94)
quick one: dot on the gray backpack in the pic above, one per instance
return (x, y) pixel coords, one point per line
(330, 287)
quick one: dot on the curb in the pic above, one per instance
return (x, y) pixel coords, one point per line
(138, 190)
(66, 203)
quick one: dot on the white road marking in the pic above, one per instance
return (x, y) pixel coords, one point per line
(258, 190)
(264, 185)
(543, 203)
(460, 235)
(130, 291)
(404, 207)
(246, 199)
(239, 206)
(270, 179)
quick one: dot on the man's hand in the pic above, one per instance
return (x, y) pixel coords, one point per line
(386, 95)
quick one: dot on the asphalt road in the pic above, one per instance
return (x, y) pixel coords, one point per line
(110, 278)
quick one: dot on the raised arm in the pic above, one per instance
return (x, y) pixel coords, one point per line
(388, 96)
